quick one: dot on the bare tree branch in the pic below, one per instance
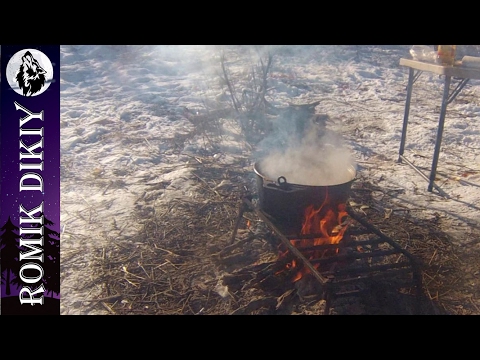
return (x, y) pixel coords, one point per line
(227, 81)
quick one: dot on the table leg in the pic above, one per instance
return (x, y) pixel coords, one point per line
(438, 141)
(405, 116)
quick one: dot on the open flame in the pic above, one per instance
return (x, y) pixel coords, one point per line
(328, 222)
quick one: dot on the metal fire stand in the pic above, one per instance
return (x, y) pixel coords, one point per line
(331, 282)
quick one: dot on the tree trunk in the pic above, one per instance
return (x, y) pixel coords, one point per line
(7, 282)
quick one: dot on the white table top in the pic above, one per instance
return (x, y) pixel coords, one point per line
(457, 70)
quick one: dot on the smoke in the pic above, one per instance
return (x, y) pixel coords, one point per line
(318, 158)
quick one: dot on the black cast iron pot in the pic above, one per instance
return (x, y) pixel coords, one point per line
(285, 202)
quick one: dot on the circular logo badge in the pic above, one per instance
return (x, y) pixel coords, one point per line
(29, 72)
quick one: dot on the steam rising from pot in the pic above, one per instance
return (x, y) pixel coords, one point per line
(316, 159)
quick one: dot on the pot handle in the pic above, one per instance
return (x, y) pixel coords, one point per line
(281, 185)
(282, 182)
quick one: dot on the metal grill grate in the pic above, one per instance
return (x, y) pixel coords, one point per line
(364, 256)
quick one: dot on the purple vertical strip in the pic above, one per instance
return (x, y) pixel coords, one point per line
(30, 179)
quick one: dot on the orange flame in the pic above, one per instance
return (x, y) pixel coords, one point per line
(327, 222)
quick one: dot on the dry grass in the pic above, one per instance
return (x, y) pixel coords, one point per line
(182, 261)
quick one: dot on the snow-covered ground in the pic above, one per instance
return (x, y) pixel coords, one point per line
(127, 145)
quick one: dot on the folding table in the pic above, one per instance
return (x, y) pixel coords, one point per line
(415, 70)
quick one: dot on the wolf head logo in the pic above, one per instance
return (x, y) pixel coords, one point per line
(31, 76)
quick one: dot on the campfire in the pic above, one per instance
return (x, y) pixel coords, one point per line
(324, 225)
(342, 251)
